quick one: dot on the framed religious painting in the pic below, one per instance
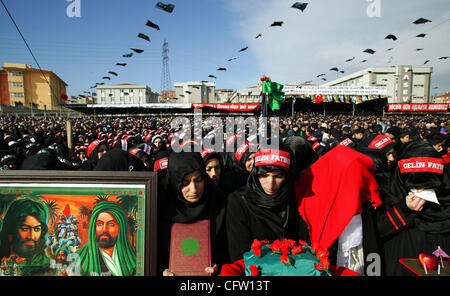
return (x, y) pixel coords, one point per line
(78, 223)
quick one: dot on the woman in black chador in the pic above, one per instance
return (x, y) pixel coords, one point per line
(265, 209)
(191, 197)
(410, 225)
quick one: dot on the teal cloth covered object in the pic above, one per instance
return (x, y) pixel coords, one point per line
(269, 263)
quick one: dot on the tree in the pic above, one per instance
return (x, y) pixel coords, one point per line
(52, 209)
(84, 211)
(129, 204)
(100, 198)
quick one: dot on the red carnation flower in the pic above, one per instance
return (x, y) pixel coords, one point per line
(289, 243)
(296, 250)
(325, 262)
(255, 270)
(321, 252)
(256, 247)
(302, 243)
(275, 246)
(318, 267)
(284, 250)
(286, 260)
(256, 243)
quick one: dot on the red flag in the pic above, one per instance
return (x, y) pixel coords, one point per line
(318, 98)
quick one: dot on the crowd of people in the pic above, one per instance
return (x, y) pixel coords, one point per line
(248, 194)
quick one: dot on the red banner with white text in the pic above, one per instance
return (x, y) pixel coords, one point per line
(418, 107)
(229, 106)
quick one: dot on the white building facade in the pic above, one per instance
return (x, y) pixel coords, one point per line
(405, 84)
(247, 95)
(195, 92)
(119, 94)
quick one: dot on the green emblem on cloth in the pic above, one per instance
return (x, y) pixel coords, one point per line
(189, 246)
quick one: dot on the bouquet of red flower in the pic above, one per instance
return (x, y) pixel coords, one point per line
(286, 258)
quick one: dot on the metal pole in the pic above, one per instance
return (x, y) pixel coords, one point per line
(293, 102)
(264, 105)
(69, 136)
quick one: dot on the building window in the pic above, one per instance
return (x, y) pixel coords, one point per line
(15, 84)
(15, 73)
(17, 95)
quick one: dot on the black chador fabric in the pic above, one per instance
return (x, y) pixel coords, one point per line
(436, 219)
(225, 184)
(162, 172)
(235, 174)
(397, 187)
(372, 244)
(407, 233)
(44, 161)
(380, 163)
(303, 154)
(93, 159)
(252, 214)
(119, 160)
(176, 209)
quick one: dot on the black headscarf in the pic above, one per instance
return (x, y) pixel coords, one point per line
(92, 154)
(119, 160)
(162, 154)
(242, 154)
(304, 155)
(379, 162)
(44, 161)
(433, 218)
(208, 155)
(382, 142)
(122, 144)
(235, 171)
(271, 208)
(212, 204)
(174, 208)
(4, 148)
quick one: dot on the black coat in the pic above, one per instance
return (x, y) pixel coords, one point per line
(403, 239)
(244, 225)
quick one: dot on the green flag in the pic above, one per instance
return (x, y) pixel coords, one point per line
(274, 92)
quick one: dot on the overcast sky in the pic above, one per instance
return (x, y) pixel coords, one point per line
(204, 34)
